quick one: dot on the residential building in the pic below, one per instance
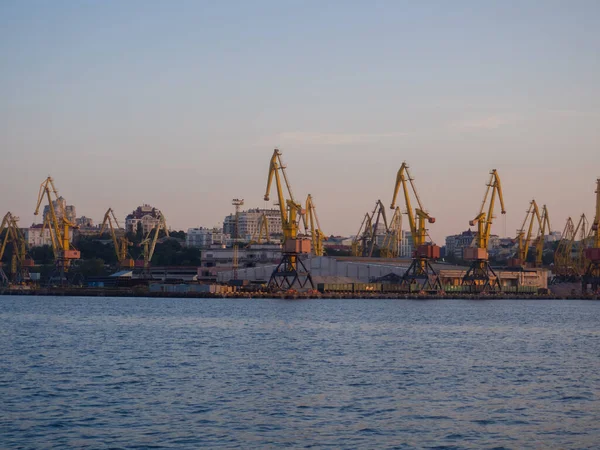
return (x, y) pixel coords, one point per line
(146, 215)
(554, 236)
(37, 236)
(457, 243)
(85, 222)
(202, 237)
(249, 223)
(406, 245)
(60, 205)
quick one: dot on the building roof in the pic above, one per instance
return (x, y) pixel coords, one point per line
(144, 210)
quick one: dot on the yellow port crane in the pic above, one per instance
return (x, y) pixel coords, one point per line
(524, 240)
(363, 236)
(569, 258)
(480, 275)
(290, 273)
(591, 277)
(393, 238)
(59, 226)
(313, 227)
(20, 262)
(563, 264)
(365, 240)
(544, 231)
(121, 243)
(149, 242)
(420, 275)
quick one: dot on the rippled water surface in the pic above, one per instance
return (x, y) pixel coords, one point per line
(203, 373)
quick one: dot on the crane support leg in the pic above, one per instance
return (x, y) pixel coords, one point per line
(421, 276)
(481, 277)
(290, 273)
(591, 278)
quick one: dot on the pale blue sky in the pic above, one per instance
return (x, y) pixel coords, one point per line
(180, 103)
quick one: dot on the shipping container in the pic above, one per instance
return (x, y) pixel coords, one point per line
(471, 253)
(297, 246)
(593, 254)
(72, 254)
(428, 251)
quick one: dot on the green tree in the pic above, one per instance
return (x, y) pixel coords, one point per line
(139, 232)
(93, 267)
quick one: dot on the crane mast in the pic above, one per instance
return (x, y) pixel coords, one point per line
(480, 275)
(591, 278)
(290, 273)
(420, 275)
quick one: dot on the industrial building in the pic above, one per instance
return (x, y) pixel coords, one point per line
(366, 270)
(221, 259)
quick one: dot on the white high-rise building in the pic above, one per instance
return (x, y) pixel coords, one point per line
(249, 223)
(202, 237)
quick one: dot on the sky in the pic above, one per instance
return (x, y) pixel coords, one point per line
(180, 105)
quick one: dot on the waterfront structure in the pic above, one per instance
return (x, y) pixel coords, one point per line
(202, 237)
(219, 258)
(146, 215)
(366, 270)
(249, 223)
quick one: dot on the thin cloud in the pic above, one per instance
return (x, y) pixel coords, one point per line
(309, 137)
(484, 123)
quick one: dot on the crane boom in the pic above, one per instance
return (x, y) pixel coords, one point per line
(120, 243)
(544, 230)
(483, 221)
(289, 209)
(313, 227)
(524, 240)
